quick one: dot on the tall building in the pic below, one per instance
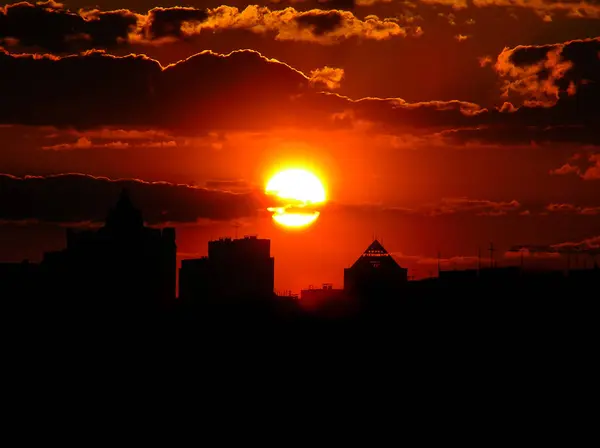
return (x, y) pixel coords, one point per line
(375, 273)
(124, 263)
(234, 269)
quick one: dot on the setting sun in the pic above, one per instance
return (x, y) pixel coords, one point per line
(299, 190)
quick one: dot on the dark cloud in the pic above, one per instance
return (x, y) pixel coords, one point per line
(550, 73)
(444, 207)
(49, 26)
(206, 91)
(320, 23)
(228, 184)
(167, 22)
(73, 198)
(247, 91)
(52, 27)
(78, 198)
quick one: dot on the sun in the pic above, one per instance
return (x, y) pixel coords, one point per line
(300, 191)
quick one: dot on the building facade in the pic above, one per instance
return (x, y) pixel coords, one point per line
(124, 263)
(235, 269)
(374, 274)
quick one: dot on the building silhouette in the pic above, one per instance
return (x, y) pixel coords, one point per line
(235, 269)
(316, 298)
(122, 264)
(19, 283)
(375, 274)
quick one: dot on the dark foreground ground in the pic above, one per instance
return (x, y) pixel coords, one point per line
(466, 369)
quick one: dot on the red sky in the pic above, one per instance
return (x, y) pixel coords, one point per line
(437, 125)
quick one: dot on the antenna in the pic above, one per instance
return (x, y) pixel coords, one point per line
(491, 249)
(236, 225)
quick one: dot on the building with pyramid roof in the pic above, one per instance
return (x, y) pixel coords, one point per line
(375, 273)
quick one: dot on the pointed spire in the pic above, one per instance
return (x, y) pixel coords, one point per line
(124, 216)
(375, 249)
(124, 201)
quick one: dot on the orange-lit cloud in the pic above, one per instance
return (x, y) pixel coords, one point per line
(70, 31)
(588, 245)
(328, 76)
(571, 208)
(545, 73)
(577, 9)
(585, 166)
(85, 143)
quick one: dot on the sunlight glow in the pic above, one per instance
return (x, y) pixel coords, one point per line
(297, 189)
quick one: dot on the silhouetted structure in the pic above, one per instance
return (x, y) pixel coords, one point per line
(495, 274)
(320, 299)
(235, 269)
(19, 282)
(375, 274)
(123, 264)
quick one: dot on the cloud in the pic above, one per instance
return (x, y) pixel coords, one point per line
(49, 26)
(85, 143)
(477, 206)
(328, 76)
(316, 25)
(228, 184)
(205, 93)
(573, 9)
(571, 208)
(545, 74)
(585, 166)
(202, 92)
(52, 27)
(567, 168)
(120, 134)
(335, 4)
(589, 245)
(75, 198)
(593, 172)
(446, 206)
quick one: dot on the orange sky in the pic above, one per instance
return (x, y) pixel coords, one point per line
(435, 126)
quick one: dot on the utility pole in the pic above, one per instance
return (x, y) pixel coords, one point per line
(236, 226)
(491, 249)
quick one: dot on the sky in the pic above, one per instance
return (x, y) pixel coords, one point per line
(437, 126)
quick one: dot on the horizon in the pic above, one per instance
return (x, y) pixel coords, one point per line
(437, 126)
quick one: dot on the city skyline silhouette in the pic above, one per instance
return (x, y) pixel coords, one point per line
(342, 201)
(126, 267)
